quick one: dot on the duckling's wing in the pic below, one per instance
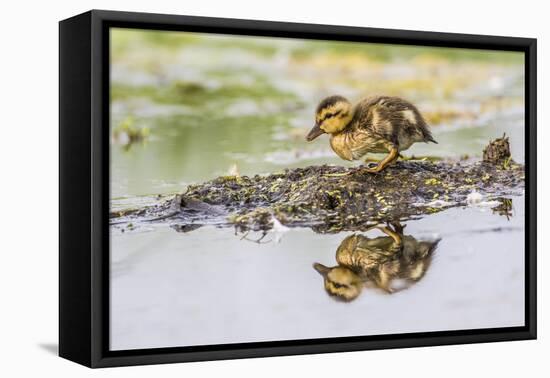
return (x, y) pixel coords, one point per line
(397, 120)
(379, 248)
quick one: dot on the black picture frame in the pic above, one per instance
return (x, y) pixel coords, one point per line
(84, 188)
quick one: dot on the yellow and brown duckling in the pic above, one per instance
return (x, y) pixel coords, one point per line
(379, 124)
(377, 261)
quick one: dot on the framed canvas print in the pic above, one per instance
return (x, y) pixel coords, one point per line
(234, 188)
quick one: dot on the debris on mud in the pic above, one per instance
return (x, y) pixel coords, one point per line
(498, 152)
(332, 198)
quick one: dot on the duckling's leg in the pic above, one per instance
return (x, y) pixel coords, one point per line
(397, 240)
(397, 227)
(392, 156)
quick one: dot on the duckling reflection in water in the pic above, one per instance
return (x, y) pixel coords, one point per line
(380, 124)
(377, 261)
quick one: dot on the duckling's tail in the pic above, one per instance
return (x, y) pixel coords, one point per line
(429, 138)
(426, 133)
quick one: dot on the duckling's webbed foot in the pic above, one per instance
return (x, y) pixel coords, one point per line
(373, 168)
(392, 156)
(397, 240)
(370, 166)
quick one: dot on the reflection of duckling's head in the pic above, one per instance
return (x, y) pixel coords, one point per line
(332, 116)
(340, 282)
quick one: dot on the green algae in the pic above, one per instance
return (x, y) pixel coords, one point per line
(333, 199)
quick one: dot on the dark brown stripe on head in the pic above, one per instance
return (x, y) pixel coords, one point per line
(330, 115)
(330, 101)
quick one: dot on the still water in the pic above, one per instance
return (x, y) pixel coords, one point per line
(209, 286)
(218, 105)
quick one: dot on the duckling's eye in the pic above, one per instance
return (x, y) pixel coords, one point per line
(330, 115)
(338, 286)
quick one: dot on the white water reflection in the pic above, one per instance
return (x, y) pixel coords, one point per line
(210, 287)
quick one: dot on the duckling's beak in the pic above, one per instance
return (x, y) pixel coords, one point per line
(323, 270)
(314, 133)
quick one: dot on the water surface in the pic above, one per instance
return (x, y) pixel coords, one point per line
(209, 286)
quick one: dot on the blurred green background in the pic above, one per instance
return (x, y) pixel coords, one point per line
(188, 107)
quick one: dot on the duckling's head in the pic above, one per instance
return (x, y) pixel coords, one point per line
(332, 116)
(340, 282)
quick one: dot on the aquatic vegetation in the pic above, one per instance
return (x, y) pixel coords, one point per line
(127, 133)
(333, 199)
(440, 116)
(197, 94)
(498, 152)
(504, 207)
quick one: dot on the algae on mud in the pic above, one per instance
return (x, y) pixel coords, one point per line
(333, 199)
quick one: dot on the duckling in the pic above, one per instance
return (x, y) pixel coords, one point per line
(362, 260)
(380, 124)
